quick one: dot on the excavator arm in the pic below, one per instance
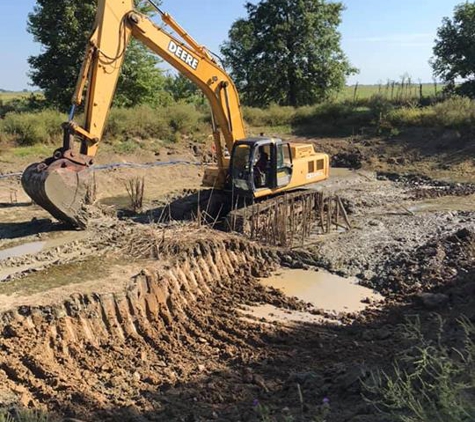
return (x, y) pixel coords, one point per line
(60, 183)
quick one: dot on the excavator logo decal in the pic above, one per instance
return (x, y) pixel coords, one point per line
(183, 55)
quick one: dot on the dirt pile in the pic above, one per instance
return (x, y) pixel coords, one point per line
(439, 262)
(423, 187)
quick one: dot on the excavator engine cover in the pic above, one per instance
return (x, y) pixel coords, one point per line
(60, 187)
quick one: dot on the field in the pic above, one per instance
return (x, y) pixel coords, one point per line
(390, 90)
(8, 96)
(159, 313)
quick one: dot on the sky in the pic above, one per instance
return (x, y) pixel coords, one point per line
(384, 39)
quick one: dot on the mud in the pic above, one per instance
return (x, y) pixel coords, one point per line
(137, 321)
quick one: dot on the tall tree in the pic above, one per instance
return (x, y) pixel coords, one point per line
(182, 89)
(454, 51)
(287, 52)
(63, 28)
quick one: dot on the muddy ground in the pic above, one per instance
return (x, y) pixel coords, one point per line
(139, 321)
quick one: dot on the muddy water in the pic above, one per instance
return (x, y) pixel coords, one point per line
(22, 250)
(445, 204)
(322, 289)
(327, 292)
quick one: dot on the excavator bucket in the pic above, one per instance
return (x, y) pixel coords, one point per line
(61, 187)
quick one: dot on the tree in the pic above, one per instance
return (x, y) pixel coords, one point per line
(287, 52)
(454, 52)
(182, 89)
(63, 28)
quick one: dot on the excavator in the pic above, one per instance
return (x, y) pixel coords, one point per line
(255, 168)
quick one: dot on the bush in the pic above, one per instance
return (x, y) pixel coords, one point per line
(141, 122)
(33, 128)
(183, 117)
(272, 116)
(454, 113)
(145, 122)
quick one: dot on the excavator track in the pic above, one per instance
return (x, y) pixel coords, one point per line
(61, 187)
(291, 218)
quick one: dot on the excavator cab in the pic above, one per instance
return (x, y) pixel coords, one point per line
(259, 165)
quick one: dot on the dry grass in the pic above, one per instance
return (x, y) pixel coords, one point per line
(136, 190)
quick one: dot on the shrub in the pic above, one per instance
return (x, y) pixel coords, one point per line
(272, 116)
(33, 128)
(183, 117)
(254, 116)
(455, 112)
(145, 122)
(141, 122)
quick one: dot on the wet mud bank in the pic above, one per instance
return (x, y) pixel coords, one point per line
(100, 351)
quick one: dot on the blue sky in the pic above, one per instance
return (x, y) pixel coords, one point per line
(385, 39)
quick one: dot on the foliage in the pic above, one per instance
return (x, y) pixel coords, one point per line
(287, 52)
(63, 29)
(431, 382)
(454, 56)
(453, 113)
(145, 122)
(182, 89)
(32, 128)
(21, 104)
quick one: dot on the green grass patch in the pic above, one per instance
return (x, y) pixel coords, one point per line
(32, 128)
(39, 151)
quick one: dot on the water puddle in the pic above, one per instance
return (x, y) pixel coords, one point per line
(445, 204)
(327, 292)
(22, 250)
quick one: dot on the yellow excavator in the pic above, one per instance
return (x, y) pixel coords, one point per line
(249, 167)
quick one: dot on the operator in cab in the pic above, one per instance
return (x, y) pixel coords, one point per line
(261, 169)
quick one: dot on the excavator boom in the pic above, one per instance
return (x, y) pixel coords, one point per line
(60, 183)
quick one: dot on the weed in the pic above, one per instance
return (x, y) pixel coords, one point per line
(25, 416)
(33, 128)
(431, 381)
(135, 189)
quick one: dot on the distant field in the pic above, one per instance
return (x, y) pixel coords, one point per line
(8, 96)
(389, 91)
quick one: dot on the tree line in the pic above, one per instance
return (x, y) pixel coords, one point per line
(285, 52)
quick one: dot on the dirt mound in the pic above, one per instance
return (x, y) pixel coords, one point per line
(352, 160)
(437, 263)
(424, 187)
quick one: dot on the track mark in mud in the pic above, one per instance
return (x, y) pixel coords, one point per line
(92, 340)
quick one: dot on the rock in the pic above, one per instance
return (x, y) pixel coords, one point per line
(433, 300)
(392, 160)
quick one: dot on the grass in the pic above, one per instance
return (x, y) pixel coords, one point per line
(392, 90)
(385, 109)
(432, 381)
(32, 128)
(11, 95)
(25, 415)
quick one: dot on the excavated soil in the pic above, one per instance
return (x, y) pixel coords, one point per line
(137, 321)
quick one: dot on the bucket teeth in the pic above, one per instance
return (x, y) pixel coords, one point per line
(60, 188)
